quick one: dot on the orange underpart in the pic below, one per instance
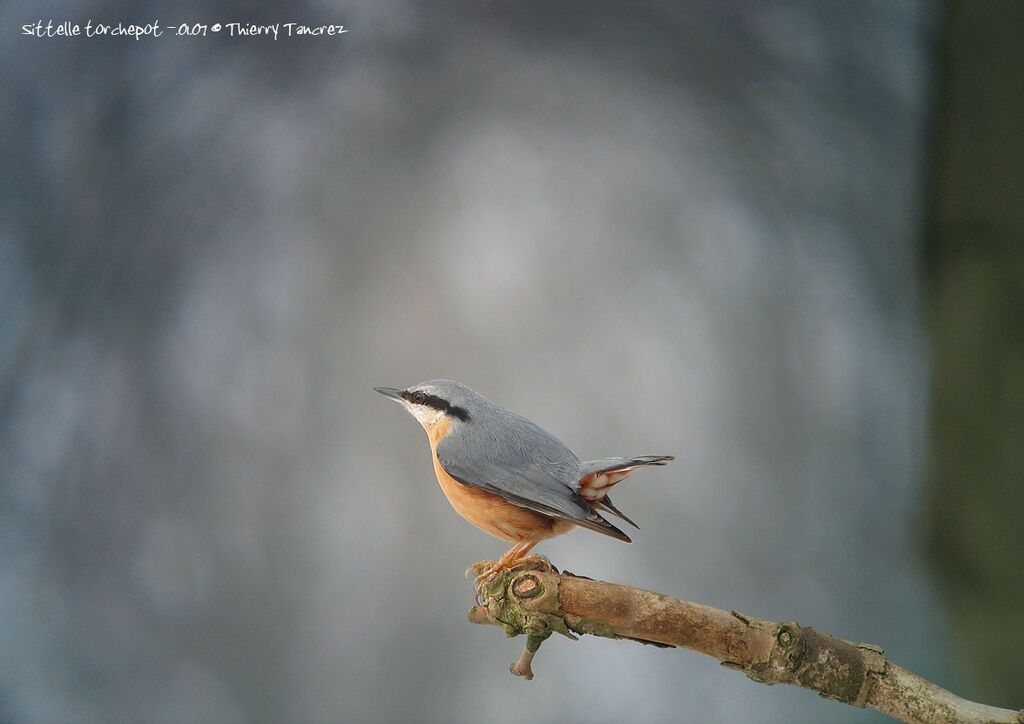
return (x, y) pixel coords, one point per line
(489, 512)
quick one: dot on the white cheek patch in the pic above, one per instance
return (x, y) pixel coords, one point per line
(425, 414)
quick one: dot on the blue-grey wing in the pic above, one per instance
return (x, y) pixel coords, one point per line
(526, 472)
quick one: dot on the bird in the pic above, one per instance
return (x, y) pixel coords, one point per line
(509, 477)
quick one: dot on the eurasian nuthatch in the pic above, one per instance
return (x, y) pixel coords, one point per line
(507, 476)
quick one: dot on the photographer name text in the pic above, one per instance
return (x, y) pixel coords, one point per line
(91, 29)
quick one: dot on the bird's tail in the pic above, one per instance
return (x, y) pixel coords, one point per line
(598, 476)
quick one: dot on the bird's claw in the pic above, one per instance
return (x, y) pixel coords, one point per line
(479, 568)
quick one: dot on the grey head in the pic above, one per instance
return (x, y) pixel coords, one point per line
(487, 432)
(429, 401)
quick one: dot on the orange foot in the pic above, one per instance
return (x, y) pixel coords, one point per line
(487, 571)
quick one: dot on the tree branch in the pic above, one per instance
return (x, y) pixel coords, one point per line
(537, 602)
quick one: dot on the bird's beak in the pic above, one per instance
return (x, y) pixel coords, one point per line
(391, 392)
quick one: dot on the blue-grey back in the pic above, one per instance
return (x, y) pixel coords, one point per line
(511, 441)
(503, 437)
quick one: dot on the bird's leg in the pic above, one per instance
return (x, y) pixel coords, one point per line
(489, 569)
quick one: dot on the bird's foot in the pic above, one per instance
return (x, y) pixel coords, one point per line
(486, 574)
(479, 568)
(487, 571)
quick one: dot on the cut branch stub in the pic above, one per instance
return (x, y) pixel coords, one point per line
(526, 586)
(522, 600)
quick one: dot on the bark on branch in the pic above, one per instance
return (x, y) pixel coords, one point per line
(537, 602)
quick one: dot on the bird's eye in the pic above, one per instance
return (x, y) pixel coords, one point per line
(419, 398)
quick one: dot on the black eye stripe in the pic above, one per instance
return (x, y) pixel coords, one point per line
(436, 403)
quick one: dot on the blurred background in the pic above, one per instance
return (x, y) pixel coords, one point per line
(780, 240)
